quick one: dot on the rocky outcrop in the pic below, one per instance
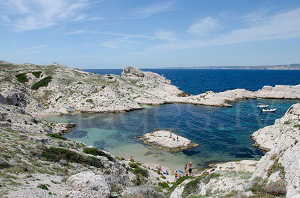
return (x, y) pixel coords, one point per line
(87, 184)
(167, 140)
(58, 89)
(132, 72)
(283, 159)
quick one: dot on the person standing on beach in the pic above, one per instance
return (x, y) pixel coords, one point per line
(190, 168)
(176, 176)
(185, 167)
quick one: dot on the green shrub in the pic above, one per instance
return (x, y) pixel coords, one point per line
(37, 74)
(42, 83)
(89, 100)
(43, 186)
(22, 78)
(190, 187)
(277, 188)
(297, 126)
(261, 189)
(4, 164)
(120, 158)
(287, 122)
(258, 185)
(140, 171)
(133, 165)
(97, 152)
(57, 136)
(276, 167)
(209, 177)
(57, 154)
(179, 181)
(164, 184)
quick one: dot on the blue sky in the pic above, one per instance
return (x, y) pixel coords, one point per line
(144, 33)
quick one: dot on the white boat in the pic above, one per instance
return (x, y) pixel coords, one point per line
(268, 110)
(262, 106)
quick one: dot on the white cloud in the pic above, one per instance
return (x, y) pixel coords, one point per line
(284, 25)
(111, 44)
(203, 26)
(165, 35)
(150, 10)
(28, 15)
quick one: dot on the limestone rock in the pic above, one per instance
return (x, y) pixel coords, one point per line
(87, 184)
(130, 71)
(282, 141)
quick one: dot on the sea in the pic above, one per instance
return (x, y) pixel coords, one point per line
(223, 133)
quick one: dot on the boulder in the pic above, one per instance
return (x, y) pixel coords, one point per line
(87, 184)
(131, 71)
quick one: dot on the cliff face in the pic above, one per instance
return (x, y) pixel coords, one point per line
(283, 159)
(58, 87)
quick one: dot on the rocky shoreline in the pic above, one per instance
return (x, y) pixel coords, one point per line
(167, 140)
(35, 161)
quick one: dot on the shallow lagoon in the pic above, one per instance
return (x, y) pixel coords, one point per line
(223, 133)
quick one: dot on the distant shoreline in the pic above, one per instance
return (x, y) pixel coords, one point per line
(273, 67)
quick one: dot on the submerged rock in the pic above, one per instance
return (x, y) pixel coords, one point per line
(77, 134)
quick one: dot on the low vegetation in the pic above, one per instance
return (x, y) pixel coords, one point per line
(276, 167)
(56, 154)
(97, 152)
(42, 83)
(57, 136)
(179, 181)
(89, 100)
(164, 185)
(43, 186)
(206, 177)
(260, 188)
(190, 187)
(22, 78)
(37, 74)
(297, 126)
(140, 171)
(133, 165)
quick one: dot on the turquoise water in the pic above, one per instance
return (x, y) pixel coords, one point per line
(223, 134)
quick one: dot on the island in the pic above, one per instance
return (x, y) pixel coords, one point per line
(167, 140)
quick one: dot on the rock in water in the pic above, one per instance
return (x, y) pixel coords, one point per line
(167, 140)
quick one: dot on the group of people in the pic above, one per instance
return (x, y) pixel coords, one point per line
(174, 137)
(186, 167)
(187, 171)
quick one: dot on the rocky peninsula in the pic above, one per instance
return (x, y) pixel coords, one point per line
(167, 140)
(36, 161)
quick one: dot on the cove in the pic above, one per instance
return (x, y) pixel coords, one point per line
(223, 134)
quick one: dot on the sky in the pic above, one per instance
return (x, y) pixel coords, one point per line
(150, 33)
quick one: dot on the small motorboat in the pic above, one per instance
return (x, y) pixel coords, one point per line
(268, 110)
(262, 106)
